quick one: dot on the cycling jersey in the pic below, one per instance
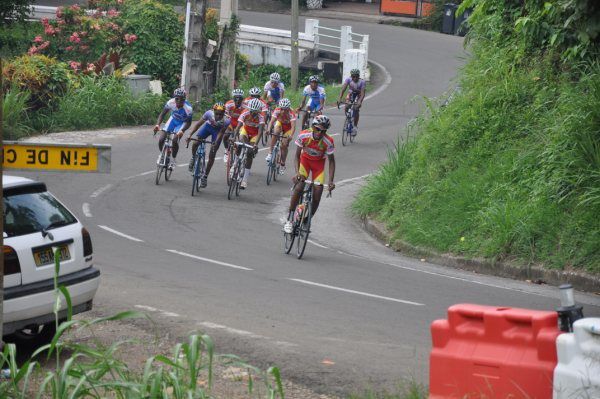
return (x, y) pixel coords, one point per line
(284, 118)
(315, 96)
(312, 149)
(212, 127)
(355, 87)
(251, 123)
(233, 112)
(274, 92)
(179, 116)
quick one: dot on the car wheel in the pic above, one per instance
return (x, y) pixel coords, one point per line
(34, 335)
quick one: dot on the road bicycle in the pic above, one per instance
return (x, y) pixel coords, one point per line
(310, 114)
(267, 134)
(274, 165)
(163, 163)
(230, 155)
(199, 168)
(348, 132)
(238, 168)
(301, 222)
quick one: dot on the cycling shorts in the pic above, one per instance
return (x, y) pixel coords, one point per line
(316, 167)
(286, 129)
(251, 137)
(313, 104)
(207, 130)
(352, 96)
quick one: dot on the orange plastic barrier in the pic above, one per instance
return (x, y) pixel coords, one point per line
(402, 7)
(426, 9)
(493, 352)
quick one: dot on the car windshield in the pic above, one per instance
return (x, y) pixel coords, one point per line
(29, 210)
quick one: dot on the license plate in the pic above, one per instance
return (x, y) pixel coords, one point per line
(46, 256)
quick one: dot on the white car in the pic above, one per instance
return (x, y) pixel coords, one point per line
(35, 222)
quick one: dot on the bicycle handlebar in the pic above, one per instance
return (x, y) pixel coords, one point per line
(243, 144)
(199, 140)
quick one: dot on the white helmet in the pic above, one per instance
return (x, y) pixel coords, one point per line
(322, 121)
(275, 77)
(237, 93)
(255, 105)
(285, 103)
(255, 91)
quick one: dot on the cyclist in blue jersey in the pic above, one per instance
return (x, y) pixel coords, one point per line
(356, 93)
(179, 121)
(274, 89)
(213, 123)
(315, 94)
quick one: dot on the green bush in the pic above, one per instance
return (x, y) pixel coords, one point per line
(14, 10)
(509, 168)
(160, 31)
(98, 102)
(16, 39)
(45, 79)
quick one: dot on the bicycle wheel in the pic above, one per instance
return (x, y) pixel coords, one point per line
(277, 161)
(230, 159)
(195, 176)
(168, 170)
(345, 131)
(288, 241)
(304, 229)
(160, 166)
(241, 165)
(233, 180)
(271, 170)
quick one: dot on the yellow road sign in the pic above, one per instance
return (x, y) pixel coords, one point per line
(57, 157)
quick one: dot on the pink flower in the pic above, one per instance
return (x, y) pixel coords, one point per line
(119, 1)
(45, 21)
(61, 21)
(49, 30)
(84, 48)
(43, 45)
(130, 38)
(83, 33)
(112, 25)
(75, 38)
(75, 65)
(38, 39)
(75, 7)
(32, 50)
(113, 13)
(59, 12)
(91, 67)
(69, 48)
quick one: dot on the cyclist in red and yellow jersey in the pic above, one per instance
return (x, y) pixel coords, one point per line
(233, 109)
(314, 147)
(250, 127)
(284, 120)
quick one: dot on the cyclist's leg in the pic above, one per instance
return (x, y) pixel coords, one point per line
(318, 176)
(213, 152)
(161, 139)
(175, 146)
(250, 157)
(276, 132)
(356, 112)
(285, 142)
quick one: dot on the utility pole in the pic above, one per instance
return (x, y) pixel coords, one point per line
(226, 66)
(294, 45)
(192, 74)
(1, 216)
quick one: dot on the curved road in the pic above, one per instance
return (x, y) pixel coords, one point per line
(351, 313)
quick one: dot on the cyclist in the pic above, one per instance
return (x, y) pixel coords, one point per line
(179, 121)
(284, 120)
(213, 123)
(250, 128)
(315, 93)
(314, 146)
(233, 109)
(274, 89)
(255, 93)
(356, 93)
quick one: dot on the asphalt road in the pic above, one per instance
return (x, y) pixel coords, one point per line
(352, 312)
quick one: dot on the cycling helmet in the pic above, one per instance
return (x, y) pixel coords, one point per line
(237, 93)
(219, 106)
(275, 77)
(321, 121)
(255, 105)
(313, 78)
(255, 91)
(355, 72)
(179, 92)
(285, 103)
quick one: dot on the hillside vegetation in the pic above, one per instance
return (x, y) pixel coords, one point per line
(509, 167)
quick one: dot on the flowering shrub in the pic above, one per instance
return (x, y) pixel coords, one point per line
(86, 40)
(44, 78)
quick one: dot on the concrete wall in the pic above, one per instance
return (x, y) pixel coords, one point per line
(261, 53)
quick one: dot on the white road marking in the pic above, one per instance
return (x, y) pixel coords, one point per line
(317, 244)
(162, 312)
(332, 287)
(169, 314)
(120, 234)
(139, 175)
(148, 308)
(230, 330)
(96, 193)
(86, 210)
(352, 179)
(216, 262)
(388, 81)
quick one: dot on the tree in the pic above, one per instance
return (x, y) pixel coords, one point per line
(14, 10)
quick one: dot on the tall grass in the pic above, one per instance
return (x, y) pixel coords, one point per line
(83, 371)
(405, 390)
(14, 114)
(508, 169)
(98, 102)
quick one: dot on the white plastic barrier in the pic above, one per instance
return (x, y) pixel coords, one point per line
(355, 58)
(577, 374)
